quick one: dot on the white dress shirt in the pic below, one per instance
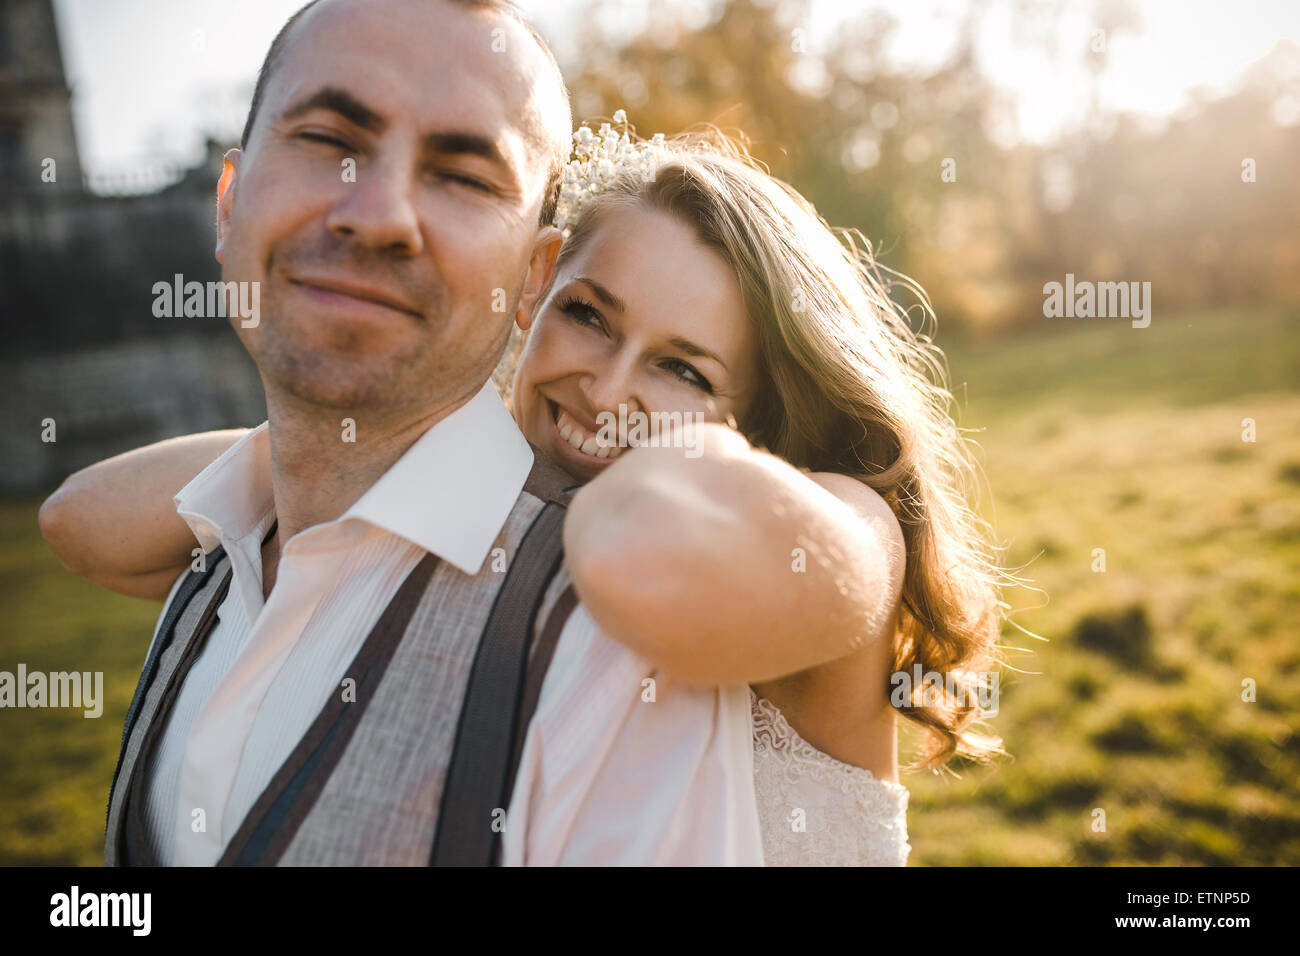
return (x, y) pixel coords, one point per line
(622, 765)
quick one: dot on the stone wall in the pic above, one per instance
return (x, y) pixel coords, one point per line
(81, 343)
(107, 399)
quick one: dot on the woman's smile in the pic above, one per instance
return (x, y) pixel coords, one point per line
(575, 444)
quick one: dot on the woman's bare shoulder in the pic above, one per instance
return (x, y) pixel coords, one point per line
(842, 707)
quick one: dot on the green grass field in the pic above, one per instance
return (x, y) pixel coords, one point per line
(1097, 436)
(1130, 440)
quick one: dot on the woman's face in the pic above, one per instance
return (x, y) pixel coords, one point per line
(645, 316)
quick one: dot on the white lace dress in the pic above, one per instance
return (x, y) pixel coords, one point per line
(815, 810)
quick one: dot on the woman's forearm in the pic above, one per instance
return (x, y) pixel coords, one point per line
(732, 566)
(115, 522)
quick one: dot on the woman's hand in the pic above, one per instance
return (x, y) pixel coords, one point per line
(115, 522)
(733, 566)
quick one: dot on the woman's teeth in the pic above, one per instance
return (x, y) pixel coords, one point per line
(583, 440)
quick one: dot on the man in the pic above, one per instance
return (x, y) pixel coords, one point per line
(300, 703)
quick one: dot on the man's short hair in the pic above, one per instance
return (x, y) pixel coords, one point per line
(560, 151)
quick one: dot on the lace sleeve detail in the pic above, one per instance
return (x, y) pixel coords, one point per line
(815, 810)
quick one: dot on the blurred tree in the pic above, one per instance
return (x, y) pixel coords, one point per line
(864, 141)
(924, 163)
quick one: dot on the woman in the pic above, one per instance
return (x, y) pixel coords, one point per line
(816, 546)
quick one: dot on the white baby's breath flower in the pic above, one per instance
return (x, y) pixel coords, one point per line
(599, 158)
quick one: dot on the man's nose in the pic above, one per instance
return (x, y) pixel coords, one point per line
(376, 211)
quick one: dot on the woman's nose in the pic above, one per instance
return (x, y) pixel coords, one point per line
(610, 387)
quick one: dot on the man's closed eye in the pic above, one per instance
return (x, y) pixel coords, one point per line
(461, 178)
(323, 138)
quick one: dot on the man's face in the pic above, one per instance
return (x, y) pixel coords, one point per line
(387, 202)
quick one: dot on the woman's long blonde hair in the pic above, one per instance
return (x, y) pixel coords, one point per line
(847, 386)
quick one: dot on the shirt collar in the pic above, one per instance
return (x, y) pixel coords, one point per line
(232, 497)
(454, 488)
(450, 493)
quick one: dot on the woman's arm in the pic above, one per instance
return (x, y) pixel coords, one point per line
(115, 522)
(733, 566)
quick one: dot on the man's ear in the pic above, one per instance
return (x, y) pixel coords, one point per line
(226, 198)
(541, 267)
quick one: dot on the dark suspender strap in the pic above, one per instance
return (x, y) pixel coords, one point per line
(480, 774)
(538, 663)
(283, 805)
(546, 480)
(189, 587)
(136, 848)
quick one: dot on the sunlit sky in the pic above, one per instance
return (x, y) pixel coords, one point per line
(150, 77)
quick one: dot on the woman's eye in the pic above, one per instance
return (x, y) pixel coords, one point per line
(687, 373)
(581, 312)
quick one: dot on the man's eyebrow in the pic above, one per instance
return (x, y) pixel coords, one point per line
(338, 101)
(455, 142)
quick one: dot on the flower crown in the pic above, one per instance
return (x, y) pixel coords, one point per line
(598, 159)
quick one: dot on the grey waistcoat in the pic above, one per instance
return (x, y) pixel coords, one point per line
(365, 783)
